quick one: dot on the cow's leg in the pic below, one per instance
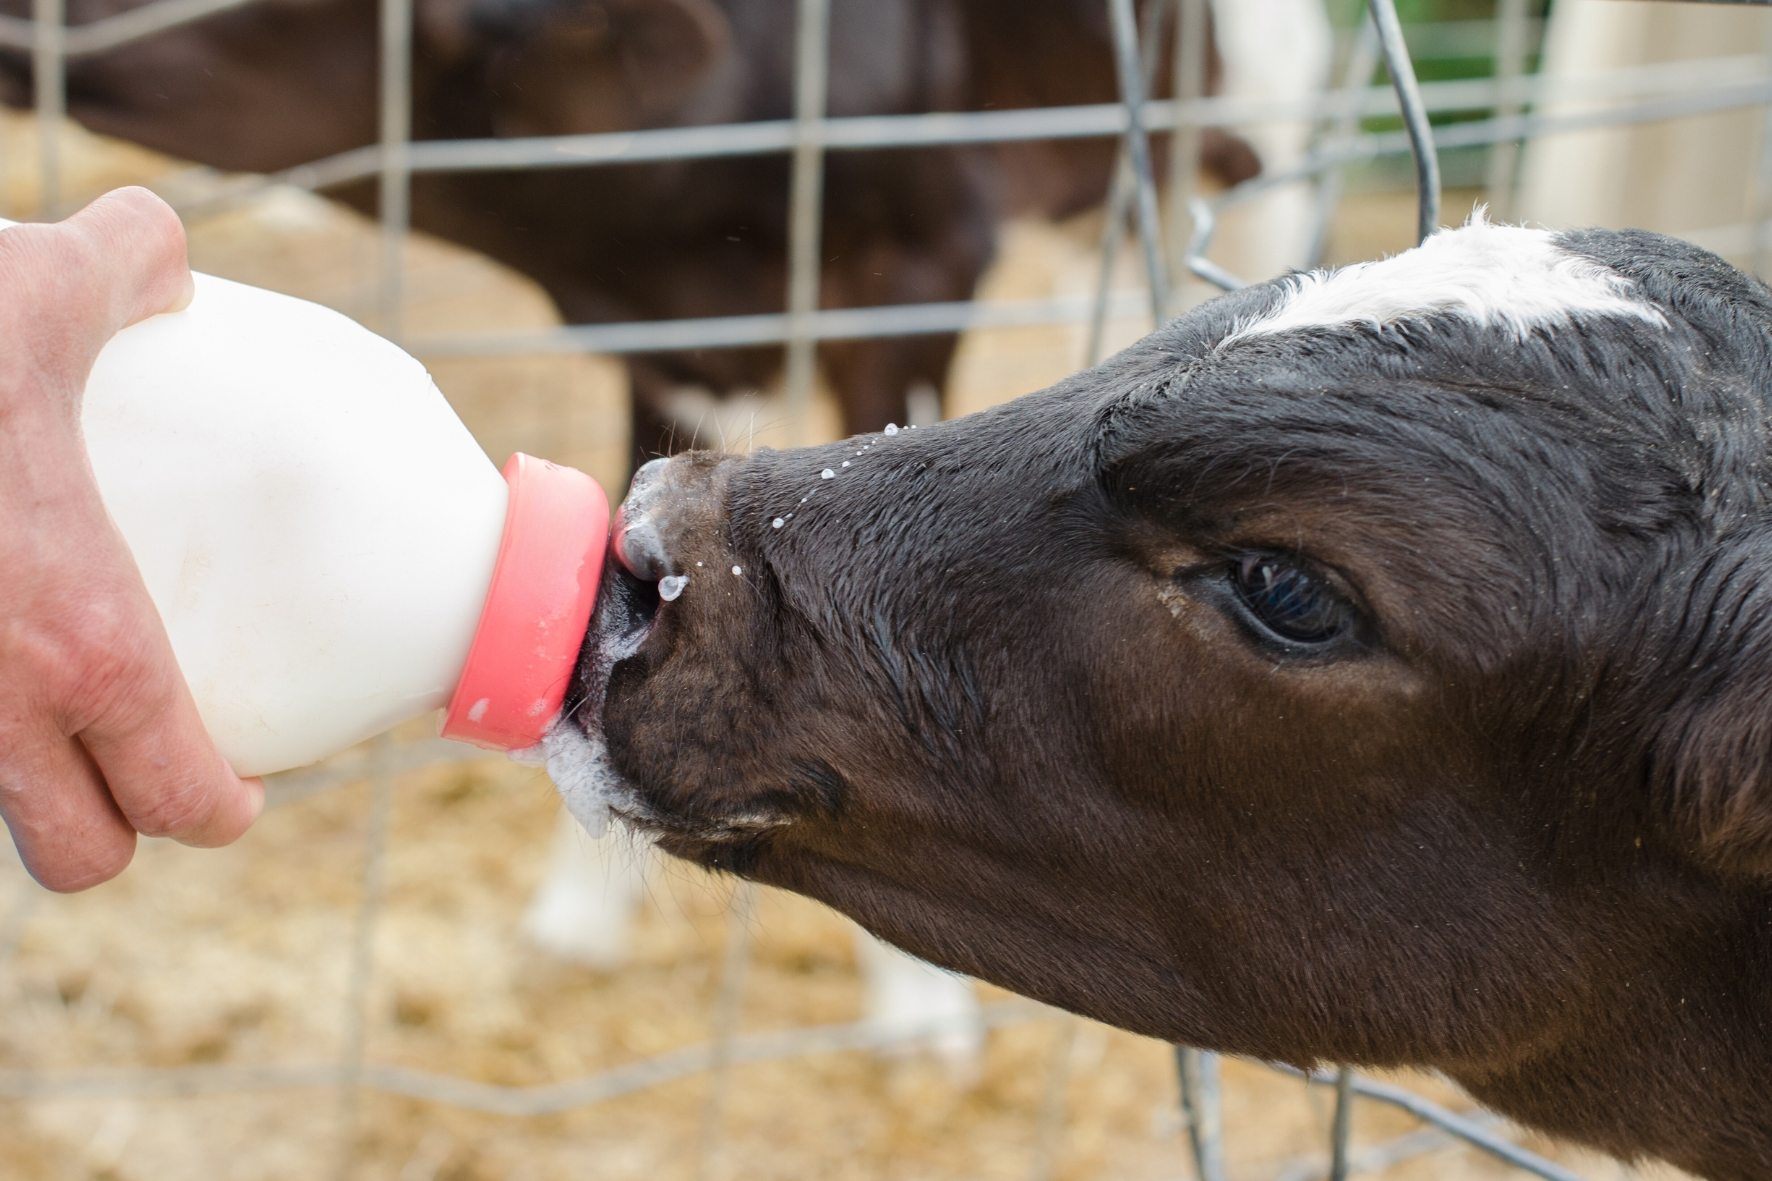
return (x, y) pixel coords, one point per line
(878, 380)
(654, 433)
(904, 228)
(583, 910)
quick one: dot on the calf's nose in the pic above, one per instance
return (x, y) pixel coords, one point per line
(637, 543)
(673, 507)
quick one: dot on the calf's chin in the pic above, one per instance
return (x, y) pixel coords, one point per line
(1365, 667)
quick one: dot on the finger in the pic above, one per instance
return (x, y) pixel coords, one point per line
(67, 828)
(163, 768)
(137, 246)
(73, 285)
(131, 710)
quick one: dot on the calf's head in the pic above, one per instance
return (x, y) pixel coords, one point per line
(1371, 667)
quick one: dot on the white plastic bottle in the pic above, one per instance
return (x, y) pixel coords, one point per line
(325, 541)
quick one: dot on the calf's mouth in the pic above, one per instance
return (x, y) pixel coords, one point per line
(576, 750)
(637, 627)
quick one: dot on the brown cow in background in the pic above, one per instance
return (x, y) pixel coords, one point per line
(278, 83)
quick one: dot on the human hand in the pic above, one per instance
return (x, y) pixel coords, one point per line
(99, 736)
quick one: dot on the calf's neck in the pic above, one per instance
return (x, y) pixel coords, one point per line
(1368, 667)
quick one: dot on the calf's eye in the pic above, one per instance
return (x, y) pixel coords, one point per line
(1288, 600)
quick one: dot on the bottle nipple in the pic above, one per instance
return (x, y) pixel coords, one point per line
(544, 585)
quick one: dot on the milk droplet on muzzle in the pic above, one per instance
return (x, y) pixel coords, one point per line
(671, 585)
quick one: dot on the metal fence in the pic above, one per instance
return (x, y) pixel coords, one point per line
(1171, 251)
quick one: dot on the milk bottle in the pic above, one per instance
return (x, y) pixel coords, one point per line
(330, 550)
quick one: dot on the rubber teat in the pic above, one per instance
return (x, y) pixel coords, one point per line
(550, 560)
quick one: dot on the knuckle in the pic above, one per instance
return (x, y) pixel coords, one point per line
(91, 868)
(105, 672)
(89, 665)
(173, 810)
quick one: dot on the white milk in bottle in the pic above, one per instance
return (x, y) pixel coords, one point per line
(322, 536)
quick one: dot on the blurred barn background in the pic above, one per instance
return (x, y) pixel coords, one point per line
(324, 998)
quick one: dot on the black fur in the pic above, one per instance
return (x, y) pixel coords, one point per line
(1515, 824)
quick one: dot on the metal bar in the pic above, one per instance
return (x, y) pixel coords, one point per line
(493, 1098)
(50, 96)
(1456, 135)
(1049, 1127)
(1421, 133)
(915, 319)
(1196, 261)
(1511, 31)
(286, 787)
(1361, 61)
(727, 1004)
(1138, 145)
(1203, 1110)
(1466, 1128)
(395, 187)
(1343, 1126)
(113, 31)
(1440, 39)
(1379, 1157)
(806, 208)
(362, 967)
(1191, 32)
(977, 127)
(1122, 189)
(1762, 210)
(1113, 229)
(930, 318)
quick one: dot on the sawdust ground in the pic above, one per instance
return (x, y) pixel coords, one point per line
(241, 955)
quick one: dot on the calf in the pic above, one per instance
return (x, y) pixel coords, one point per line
(1369, 667)
(277, 83)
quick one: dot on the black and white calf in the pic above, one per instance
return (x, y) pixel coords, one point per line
(1372, 666)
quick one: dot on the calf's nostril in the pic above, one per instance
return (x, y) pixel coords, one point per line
(640, 549)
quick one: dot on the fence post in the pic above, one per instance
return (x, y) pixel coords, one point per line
(1122, 188)
(806, 207)
(1138, 148)
(1510, 65)
(1421, 133)
(727, 1004)
(1202, 1110)
(1362, 60)
(48, 75)
(362, 966)
(1191, 51)
(1760, 217)
(1343, 1126)
(396, 172)
(1049, 1130)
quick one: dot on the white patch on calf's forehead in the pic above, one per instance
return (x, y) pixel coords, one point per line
(1500, 276)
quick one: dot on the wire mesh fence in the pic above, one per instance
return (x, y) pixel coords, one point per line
(1173, 236)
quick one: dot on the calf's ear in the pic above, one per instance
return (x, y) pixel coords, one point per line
(1708, 686)
(577, 67)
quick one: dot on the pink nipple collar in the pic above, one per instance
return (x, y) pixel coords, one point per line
(543, 587)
